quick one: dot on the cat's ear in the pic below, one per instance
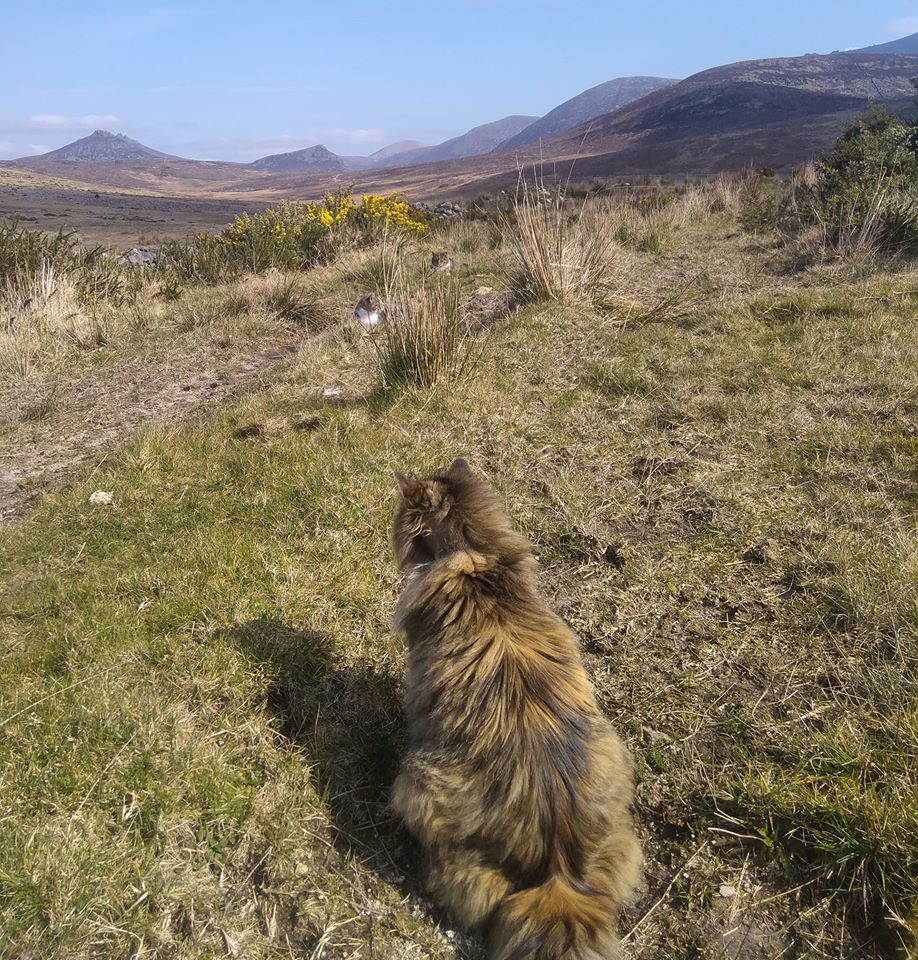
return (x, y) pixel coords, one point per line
(459, 466)
(407, 485)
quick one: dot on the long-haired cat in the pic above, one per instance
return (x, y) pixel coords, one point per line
(514, 783)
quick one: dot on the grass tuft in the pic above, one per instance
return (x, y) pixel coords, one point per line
(425, 337)
(559, 257)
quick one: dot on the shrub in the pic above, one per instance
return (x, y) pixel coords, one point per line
(866, 194)
(390, 212)
(25, 253)
(292, 236)
(56, 296)
(858, 201)
(95, 273)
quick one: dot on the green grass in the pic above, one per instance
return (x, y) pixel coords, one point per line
(199, 706)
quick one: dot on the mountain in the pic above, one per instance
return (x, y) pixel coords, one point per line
(907, 45)
(778, 112)
(317, 159)
(382, 156)
(478, 140)
(603, 98)
(101, 146)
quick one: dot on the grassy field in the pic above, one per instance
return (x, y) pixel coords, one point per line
(717, 460)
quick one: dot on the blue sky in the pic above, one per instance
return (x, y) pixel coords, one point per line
(231, 80)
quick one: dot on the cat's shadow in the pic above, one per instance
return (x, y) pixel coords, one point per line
(346, 721)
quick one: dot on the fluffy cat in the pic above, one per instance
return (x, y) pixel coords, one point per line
(515, 784)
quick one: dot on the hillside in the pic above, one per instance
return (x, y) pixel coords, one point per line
(390, 150)
(603, 98)
(478, 140)
(99, 147)
(778, 112)
(906, 45)
(115, 161)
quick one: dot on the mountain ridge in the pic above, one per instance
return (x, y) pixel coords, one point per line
(777, 112)
(906, 45)
(598, 100)
(315, 159)
(797, 100)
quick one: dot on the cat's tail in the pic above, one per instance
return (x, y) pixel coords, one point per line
(554, 921)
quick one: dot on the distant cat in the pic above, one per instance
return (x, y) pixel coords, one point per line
(514, 782)
(441, 262)
(369, 312)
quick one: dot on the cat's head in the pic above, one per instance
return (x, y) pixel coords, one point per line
(455, 510)
(428, 516)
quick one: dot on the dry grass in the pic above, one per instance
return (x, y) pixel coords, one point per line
(47, 320)
(425, 336)
(50, 324)
(200, 692)
(465, 236)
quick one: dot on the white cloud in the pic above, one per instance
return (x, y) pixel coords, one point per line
(38, 148)
(57, 121)
(903, 27)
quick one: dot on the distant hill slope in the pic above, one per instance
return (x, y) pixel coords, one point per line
(478, 140)
(101, 147)
(383, 156)
(906, 45)
(802, 103)
(603, 98)
(390, 150)
(316, 159)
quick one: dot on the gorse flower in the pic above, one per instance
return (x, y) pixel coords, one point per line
(391, 210)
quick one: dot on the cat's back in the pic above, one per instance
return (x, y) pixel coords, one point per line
(488, 661)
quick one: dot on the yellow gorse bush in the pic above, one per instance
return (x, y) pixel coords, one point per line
(291, 220)
(393, 211)
(293, 233)
(334, 208)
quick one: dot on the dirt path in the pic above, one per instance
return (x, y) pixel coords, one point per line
(52, 431)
